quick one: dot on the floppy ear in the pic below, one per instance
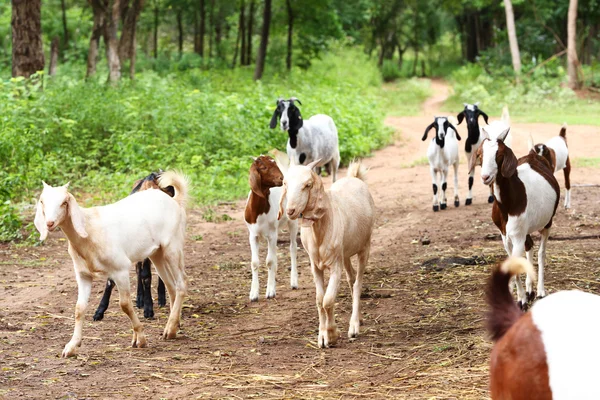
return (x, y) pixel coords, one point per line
(509, 163)
(485, 117)
(427, 130)
(460, 117)
(503, 135)
(530, 142)
(485, 134)
(274, 118)
(77, 217)
(314, 164)
(281, 201)
(40, 221)
(455, 131)
(475, 159)
(255, 182)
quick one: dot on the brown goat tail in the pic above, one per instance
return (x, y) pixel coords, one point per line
(179, 182)
(503, 312)
(357, 170)
(563, 131)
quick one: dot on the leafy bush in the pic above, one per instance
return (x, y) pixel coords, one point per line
(205, 123)
(390, 70)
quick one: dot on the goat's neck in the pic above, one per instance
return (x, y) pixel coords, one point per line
(512, 197)
(256, 206)
(323, 226)
(67, 227)
(293, 135)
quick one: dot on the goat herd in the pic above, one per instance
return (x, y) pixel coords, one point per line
(549, 352)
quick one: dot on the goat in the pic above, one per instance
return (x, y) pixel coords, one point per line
(336, 224)
(551, 352)
(265, 180)
(143, 269)
(556, 152)
(526, 195)
(471, 113)
(310, 140)
(442, 152)
(107, 240)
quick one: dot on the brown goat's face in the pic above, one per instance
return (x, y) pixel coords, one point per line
(270, 174)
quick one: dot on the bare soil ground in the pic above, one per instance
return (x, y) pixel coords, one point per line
(423, 309)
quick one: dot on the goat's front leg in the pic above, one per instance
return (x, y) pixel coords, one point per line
(146, 278)
(255, 263)
(319, 294)
(84, 289)
(456, 199)
(469, 200)
(567, 172)
(518, 251)
(528, 282)
(272, 264)
(363, 258)
(121, 278)
(103, 306)
(333, 285)
(436, 206)
(541, 291)
(293, 228)
(444, 176)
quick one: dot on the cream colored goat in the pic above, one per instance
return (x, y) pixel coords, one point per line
(336, 224)
(107, 240)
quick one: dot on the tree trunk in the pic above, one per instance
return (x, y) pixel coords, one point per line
(53, 56)
(180, 32)
(202, 28)
(242, 34)
(572, 61)
(211, 20)
(288, 60)
(512, 37)
(65, 29)
(219, 32)
(196, 32)
(416, 61)
(27, 47)
(110, 41)
(264, 41)
(250, 32)
(127, 40)
(156, 11)
(97, 30)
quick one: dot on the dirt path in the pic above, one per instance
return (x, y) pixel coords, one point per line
(422, 334)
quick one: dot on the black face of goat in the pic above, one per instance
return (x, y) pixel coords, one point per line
(290, 117)
(471, 113)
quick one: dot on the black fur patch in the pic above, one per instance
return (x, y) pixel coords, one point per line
(444, 186)
(434, 188)
(470, 182)
(302, 158)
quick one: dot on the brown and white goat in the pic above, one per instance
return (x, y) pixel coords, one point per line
(526, 195)
(265, 180)
(556, 152)
(552, 351)
(336, 225)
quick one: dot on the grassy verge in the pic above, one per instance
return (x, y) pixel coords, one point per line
(404, 97)
(583, 162)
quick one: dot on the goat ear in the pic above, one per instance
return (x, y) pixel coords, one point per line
(485, 117)
(484, 134)
(255, 181)
(274, 118)
(45, 185)
(40, 221)
(530, 142)
(427, 130)
(475, 159)
(313, 164)
(509, 163)
(455, 131)
(77, 217)
(503, 135)
(460, 117)
(281, 202)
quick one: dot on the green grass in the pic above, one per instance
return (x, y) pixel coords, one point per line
(404, 97)
(583, 162)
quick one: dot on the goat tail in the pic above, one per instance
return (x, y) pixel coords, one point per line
(179, 182)
(505, 116)
(563, 131)
(357, 170)
(503, 311)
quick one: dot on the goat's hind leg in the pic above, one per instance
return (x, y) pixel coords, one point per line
(363, 258)
(293, 228)
(162, 295)
(456, 199)
(444, 176)
(436, 206)
(528, 282)
(255, 263)
(541, 291)
(121, 279)
(567, 172)
(103, 306)
(469, 199)
(272, 265)
(332, 333)
(145, 277)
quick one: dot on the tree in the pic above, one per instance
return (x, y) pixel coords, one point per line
(97, 29)
(249, 33)
(290, 11)
(130, 12)
(264, 41)
(572, 60)
(512, 37)
(27, 47)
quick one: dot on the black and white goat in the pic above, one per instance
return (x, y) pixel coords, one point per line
(143, 269)
(442, 152)
(313, 139)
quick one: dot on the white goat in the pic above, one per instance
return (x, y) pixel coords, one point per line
(260, 215)
(442, 152)
(313, 139)
(526, 196)
(107, 240)
(556, 152)
(336, 224)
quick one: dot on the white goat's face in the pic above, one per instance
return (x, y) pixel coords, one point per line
(52, 208)
(297, 184)
(441, 130)
(285, 119)
(489, 167)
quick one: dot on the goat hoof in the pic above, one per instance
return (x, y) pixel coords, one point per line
(139, 303)
(98, 316)
(456, 203)
(149, 314)
(491, 199)
(436, 208)
(443, 206)
(468, 202)
(530, 296)
(162, 303)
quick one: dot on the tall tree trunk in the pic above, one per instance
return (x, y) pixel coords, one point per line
(27, 47)
(572, 61)
(512, 37)
(264, 41)
(64, 21)
(202, 27)
(156, 11)
(111, 42)
(53, 56)
(180, 32)
(211, 20)
(196, 32)
(219, 32)
(130, 18)
(250, 32)
(97, 31)
(242, 33)
(288, 60)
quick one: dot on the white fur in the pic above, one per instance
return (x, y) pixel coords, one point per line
(107, 240)
(440, 160)
(561, 152)
(267, 226)
(569, 322)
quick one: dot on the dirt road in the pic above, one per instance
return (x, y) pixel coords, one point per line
(422, 333)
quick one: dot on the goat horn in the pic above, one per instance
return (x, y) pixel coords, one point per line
(476, 104)
(296, 99)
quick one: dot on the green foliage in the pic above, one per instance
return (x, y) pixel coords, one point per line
(206, 124)
(390, 71)
(10, 222)
(405, 97)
